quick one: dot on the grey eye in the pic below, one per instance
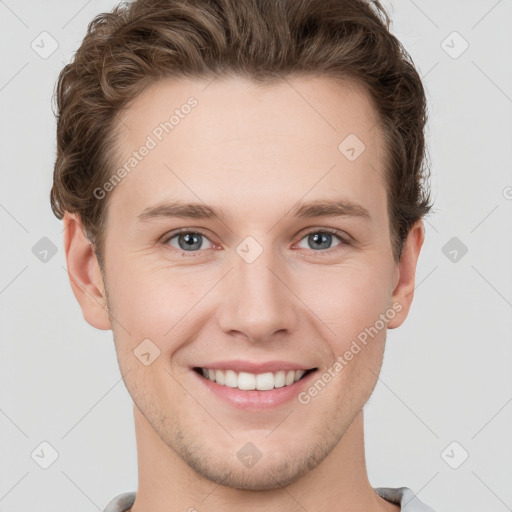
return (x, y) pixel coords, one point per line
(188, 241)
(319, 240)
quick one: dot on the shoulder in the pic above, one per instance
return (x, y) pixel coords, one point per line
(403, 496)
(121, 503)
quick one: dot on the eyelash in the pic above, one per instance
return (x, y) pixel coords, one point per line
(344, 241)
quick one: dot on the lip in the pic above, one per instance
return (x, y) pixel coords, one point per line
(239, 365)
(254, 400)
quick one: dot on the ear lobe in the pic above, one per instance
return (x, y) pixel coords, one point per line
(84, 273)
(406, 270)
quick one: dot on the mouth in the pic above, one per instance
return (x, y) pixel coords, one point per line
(246, 381)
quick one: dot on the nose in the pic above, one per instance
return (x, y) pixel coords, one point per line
(257, 299)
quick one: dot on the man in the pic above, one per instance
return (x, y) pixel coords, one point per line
(242, 187)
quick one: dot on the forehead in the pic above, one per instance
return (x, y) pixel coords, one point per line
(240, 109)
(212, 140)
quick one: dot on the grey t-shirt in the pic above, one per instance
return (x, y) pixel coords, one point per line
(400, 496)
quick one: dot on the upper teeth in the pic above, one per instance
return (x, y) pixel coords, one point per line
(247, 381)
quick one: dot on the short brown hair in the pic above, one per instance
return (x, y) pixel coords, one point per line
(136, 44)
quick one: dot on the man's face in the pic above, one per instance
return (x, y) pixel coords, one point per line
(259, 285)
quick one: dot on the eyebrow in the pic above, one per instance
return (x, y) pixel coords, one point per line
(317, 208)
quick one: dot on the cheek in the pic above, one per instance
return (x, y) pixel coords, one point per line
(156, 303)
(161, 310)
(348, 299)
(357, 312)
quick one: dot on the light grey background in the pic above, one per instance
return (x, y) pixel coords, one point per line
(447, 371)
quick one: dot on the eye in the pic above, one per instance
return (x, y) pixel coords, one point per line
(321, 239)
(187, 241)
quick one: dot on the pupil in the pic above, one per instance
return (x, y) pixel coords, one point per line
(325, 236)
(191, 239)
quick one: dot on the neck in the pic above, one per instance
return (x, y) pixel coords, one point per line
(338, 483)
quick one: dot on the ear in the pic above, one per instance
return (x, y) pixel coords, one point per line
(84, 273)
(406, 272)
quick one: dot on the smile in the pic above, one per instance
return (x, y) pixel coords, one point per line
(267, 388)
(250, 381)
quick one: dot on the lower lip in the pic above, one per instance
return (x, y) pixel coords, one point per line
(254, 399)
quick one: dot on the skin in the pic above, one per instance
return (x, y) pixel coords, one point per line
(255, 152)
